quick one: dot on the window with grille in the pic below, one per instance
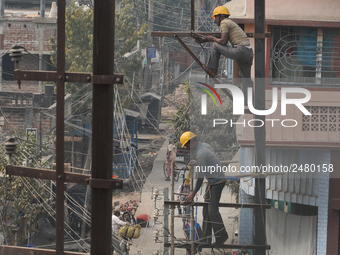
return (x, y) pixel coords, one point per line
(323, 118)
(307, 56)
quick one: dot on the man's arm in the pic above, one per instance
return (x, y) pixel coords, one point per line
(223, 40)
(118, 221)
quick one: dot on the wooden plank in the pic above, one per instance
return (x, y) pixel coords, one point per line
(16, 250)
(232, 205)
(225, 246)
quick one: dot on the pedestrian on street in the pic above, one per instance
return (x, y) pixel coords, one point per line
(116, 224)
(239, 50)
(171, 156)
(184, 190)
(205, 157)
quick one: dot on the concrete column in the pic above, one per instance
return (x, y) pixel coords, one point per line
(42, 8)
(29, 116)
(2, 8)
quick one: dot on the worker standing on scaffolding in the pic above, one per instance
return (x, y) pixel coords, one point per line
(205, 157)
(239, 50)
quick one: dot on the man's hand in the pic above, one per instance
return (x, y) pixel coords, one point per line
(190, 197)
(199, 38)
(210, 38)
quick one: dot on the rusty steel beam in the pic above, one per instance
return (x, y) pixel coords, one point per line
(46, 174)
(182, 34)
(60, 178)
(102, 126)
(16, 250)
(189, 34)
(232, 205)
(192, 4)
(29, 75)
(260, 132)
(200, 63)
(224, 246)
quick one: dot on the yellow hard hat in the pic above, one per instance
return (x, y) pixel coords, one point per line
(185, 137)
(220, 10)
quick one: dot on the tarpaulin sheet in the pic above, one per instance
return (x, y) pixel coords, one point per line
(290, 234)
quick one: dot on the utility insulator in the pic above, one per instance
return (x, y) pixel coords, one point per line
(16, 55)
(155, 193)
(156, 235)
(155, 214)
(10, 148)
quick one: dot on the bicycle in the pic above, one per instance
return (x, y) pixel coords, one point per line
(177, 171)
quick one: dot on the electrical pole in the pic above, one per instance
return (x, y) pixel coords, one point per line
(149, 39)
(2, 8)
(42, 8)
(102, 123)
(166, 220)
(172, 212)
(260, 132)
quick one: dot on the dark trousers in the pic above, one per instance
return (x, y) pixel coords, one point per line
(211, 216)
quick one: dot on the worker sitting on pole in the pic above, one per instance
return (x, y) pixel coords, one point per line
(239, 50)
(206, 157)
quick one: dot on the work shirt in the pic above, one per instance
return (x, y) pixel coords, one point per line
(236, 35)
(116, 224)
(207, 165)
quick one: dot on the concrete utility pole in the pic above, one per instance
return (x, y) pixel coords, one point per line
(260, 132)
(2, 7)
(147, 82)
(172, 211)
(166, 221)
(42, 8)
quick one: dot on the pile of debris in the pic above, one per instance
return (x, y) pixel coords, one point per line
(123, 206)
(177, 98)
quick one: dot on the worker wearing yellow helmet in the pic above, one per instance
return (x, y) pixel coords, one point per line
(205, 157)
(239, 50)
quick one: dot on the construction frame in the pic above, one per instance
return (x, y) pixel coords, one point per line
(259, 36)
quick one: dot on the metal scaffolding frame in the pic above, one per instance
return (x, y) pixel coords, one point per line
(100, 181)
(259, 35)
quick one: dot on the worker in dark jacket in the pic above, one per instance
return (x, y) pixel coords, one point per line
(205, 158)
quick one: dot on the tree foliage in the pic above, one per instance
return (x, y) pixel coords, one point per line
(79, 46)
(22, 199)
(221, 138)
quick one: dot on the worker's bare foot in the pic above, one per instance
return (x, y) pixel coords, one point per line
(210, 71)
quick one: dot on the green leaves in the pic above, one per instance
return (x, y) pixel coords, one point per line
(79, 47)
(19, 197)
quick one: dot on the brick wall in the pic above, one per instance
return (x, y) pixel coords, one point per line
(31, 32)
(15, 120)
(26, 110)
